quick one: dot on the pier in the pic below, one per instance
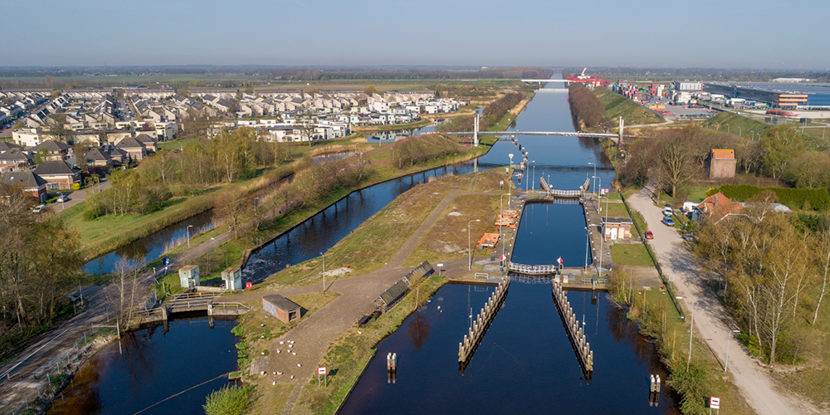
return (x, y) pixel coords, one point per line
(576, 335)
(485, 317)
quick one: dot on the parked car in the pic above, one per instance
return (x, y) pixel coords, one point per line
(688, 237)
(649, 235)
(62, 198)
(667, 211)
(667, 221)
(39, 208)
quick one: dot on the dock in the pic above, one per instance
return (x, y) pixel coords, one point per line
(467, 348)
(580, 344)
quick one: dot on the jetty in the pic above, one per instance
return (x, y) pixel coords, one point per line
(467, 348)
(580, 344)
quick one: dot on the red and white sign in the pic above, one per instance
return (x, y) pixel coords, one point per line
(714, 402)
(322, 371)
(248, 285)
(605, 192)
(559, 260)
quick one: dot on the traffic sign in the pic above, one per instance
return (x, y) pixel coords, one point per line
(559, 260)
(714, 402)
(248, 285)
(603, 191)
(322, 370)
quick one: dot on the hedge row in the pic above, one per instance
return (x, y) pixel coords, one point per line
(815, 199)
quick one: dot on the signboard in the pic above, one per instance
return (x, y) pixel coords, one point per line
(248, 285)
(603, 191)
(714, 402)
(559, 260)
(322, 370)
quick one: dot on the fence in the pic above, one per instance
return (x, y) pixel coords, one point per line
(666, 282)
(54, 377)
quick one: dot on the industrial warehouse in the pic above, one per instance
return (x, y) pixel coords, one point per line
(777, 95)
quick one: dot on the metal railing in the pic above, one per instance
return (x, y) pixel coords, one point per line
(55, 375)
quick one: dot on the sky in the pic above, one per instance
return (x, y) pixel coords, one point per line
(762, 34)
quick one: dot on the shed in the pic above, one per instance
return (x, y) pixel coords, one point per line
(189, 276)
(232, 278)
(281, 308)
(392, 295)
(489, 240)
(721, 164)
(617, 228)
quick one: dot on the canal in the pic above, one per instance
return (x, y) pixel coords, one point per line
(525, 362)
(148, 366)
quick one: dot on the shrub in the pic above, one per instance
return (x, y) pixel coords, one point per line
(76, 186)
(230, 400)
(814, 199)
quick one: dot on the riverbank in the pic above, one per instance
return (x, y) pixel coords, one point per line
(392, 127)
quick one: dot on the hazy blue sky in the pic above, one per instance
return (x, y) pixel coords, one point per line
(666, 33)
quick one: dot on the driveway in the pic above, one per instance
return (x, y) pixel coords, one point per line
(78, 196)
(758, 388)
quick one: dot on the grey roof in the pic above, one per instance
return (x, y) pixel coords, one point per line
(53, 146)
(617, 220)
(54, 168)
(394, 293)
(144, 138)
(96, 154)
(6, 146)
(27, 178)
(281, 302)
(129, 142)
(15, 157)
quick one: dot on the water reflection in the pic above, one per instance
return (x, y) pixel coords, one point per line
(150, 365)
(152, 246)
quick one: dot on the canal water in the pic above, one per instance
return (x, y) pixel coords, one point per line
(150, 247)
(325, 229)
(525, 363)
(148, 366)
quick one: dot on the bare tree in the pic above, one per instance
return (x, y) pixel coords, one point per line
(823, 255)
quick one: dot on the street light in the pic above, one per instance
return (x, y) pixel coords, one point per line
(595, 174)
(324, 271)
(469, 244)
(187, 229)
(728, 338)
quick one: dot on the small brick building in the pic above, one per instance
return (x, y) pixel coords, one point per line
(281, 308)
(617, 228)
(721, 164)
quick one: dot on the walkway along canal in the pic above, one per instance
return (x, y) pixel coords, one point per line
(525, 362)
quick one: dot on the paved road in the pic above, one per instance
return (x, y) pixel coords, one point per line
(78, 196)
(758, 388)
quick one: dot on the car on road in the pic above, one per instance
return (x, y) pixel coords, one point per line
(667, 221)
(62, 198)
(649, 235)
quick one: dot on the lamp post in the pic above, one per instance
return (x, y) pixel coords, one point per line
(728, 338)
(740, 133)
(727, 128)
(533, 184)
(324, 271)
(587, 247)
(469, 244)
(188, 235)
(594, 176)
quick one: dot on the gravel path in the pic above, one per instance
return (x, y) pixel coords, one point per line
(711, 318)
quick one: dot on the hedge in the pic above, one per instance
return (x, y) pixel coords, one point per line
(815, 199)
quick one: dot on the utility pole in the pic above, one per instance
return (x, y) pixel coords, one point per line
(691, 327)
(324, 271)
(469, 245)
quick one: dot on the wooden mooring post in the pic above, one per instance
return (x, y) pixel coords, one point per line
(580, 344)
(485, 317)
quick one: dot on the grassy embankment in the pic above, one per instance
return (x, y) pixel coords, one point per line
(392, 127)
(617, 106)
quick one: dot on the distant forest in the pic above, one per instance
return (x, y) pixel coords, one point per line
(704, 74)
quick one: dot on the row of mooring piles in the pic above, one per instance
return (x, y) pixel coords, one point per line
(485, 317)
(575, 333)
(391, 367)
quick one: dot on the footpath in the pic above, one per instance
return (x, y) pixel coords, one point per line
(711, 319)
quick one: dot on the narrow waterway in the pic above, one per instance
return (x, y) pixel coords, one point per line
(326, 228)
(525, 362)
(150, 365)
(152, 246)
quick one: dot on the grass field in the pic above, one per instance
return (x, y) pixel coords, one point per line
(736, 124)
(631, 254)
(614, 210)
(392, 127)
(617, 105)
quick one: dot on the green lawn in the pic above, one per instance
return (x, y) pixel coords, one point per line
(614, 210)
(736, 124)
(631, 254)
(176, 144)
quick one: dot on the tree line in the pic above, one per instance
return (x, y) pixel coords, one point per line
(587, 110)
(39, 267)
(490, 115)
(774, 274)
(229, 156)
